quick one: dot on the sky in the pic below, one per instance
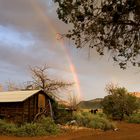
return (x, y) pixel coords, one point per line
(29, 31)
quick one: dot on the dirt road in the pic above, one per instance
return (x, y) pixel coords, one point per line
(125, 132)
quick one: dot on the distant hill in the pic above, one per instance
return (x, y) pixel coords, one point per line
(91, 104)
(137, 94)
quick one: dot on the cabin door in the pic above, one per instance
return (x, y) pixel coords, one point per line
(41, 102)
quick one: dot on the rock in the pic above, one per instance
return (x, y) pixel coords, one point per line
(73, 122)
(116, 129)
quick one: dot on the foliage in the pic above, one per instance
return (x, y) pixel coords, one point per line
(62, 116)
(7, 128)
(45, 127)
(138, 101)
(98, 121)
(134, 118)
(104, 24)
(49, 126)
(62, 113)
(119, 103)
(30, 129)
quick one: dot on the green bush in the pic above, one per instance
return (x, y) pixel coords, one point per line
(49, 126)
(134, 118)
(46, 126)
(30, 129)
(101, 123)
(98, 121)
(7, 128)
(62, 116)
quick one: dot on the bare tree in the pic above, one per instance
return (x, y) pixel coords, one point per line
(1, 87)
(12, 86)
(73, 101)
(111, 87)
(41, 80)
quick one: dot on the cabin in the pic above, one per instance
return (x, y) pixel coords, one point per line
(24, 106)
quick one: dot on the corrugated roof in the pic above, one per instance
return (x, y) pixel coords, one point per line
(16, 96)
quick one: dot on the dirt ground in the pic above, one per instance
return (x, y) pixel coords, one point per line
(126, 132)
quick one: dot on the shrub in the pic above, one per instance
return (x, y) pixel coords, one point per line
(7, 128)
(134, 118)
(62, 116)
(101, 123)
(30, 129)
(49, 126)
(98, 121)
(46, 126)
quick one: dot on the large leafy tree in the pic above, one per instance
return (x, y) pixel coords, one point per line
(112, 25)
(119, 103)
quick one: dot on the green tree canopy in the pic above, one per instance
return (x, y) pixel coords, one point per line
(112, 25)
(119, 103)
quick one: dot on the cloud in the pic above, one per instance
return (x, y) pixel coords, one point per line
(28, 31)
(9, 36)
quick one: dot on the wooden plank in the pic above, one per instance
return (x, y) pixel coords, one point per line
(29, 109)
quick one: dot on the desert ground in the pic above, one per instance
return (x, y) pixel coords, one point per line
(125, 132)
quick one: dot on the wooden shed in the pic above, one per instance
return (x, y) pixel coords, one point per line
(24, 106)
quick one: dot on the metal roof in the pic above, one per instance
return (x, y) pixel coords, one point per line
(16, 96)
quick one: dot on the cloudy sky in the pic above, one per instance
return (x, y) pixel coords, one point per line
(28, 36)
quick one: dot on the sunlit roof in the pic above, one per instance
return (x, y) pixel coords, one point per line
(16, 96)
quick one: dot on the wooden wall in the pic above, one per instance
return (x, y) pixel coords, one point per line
(23, 111)
(11, 111)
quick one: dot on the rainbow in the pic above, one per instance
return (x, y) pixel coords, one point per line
(54, 32)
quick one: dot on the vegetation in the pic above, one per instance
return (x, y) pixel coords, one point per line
(134, 118)
(45, 127)
(7, 128)
(112, 25)
(119, 103)
(98, 121)
(63, 116)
